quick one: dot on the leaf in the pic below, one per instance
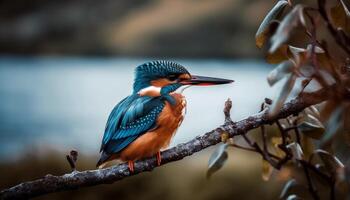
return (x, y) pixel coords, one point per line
(291, 183)
(311, 130)
(299, 54)
(339, 16)
(317, 50)
(307, 146)
(312, 110)
(284, 30)
(264, 29)
(276, 141)
(311, 127)
(279, 72)
(217, 160)
(346, 6)
(293, 197)
(286, 89)
(266, 170)
(334, 123)
(296, 150)
(278, 56)
(332, 163)
(347, 124)
(327, 110)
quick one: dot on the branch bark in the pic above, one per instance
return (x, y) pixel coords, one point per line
(78, 179)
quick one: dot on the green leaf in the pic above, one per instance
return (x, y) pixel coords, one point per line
(279, 72)
(284, 93)
(264, 29)
(291, 183)
(217, 159)
(334, 123)
(284, 30)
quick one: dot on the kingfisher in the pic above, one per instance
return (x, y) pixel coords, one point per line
(143, 123)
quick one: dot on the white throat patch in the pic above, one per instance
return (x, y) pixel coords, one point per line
(152, 91)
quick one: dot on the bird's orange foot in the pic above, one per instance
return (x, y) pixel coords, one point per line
(159, 158)
(131, 166)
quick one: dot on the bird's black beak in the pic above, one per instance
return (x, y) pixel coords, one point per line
(204, 81)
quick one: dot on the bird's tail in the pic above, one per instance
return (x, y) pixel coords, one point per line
(102, 161)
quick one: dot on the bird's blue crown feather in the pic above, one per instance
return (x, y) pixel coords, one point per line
(149, 71)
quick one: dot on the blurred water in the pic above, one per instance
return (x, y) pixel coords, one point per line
(63, 103)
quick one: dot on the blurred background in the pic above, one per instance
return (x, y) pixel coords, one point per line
(65, 64)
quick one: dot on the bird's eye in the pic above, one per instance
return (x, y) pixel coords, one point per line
(172, 77)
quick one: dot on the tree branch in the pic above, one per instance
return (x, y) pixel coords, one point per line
(76, 179)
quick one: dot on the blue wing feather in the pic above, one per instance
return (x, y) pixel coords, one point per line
(129, 119)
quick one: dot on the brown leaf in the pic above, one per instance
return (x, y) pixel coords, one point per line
(266, 170)
(284, 30)
(346, 5)
(347, 124)
(293, 197)
(291, 183)
(311, 126)
(280, 72)
(217, 159)
(332, 163)
(299, 55)
(339, 17)
(334, 123)
(308, 146)
(278, 56)
(328, 109)
(276, 141)
(312, 110)
(284, 93)
(296, 150)
(265, 29)
(311, 130)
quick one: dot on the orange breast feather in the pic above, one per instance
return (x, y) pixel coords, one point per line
(153, 141)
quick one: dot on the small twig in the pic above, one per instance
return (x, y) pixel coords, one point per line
(297, 132)
(265, 154)
(283, 133)
(304, 84)
(227, 109)
(283, 146)
(263, 133)
(72, 159)
(254, 150)
(311, 186)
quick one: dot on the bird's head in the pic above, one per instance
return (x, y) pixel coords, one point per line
(154, 76)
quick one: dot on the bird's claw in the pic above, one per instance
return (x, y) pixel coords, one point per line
(159, 158)
(131, 166)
